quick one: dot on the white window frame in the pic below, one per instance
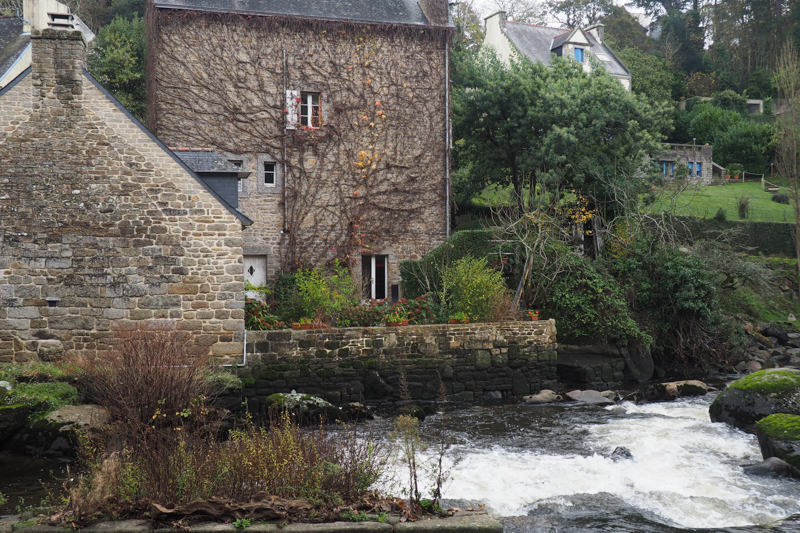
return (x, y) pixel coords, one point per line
(261, 186)
(265, 172)
(310, 108)
(372, 261)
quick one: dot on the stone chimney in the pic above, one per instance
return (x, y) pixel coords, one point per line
(598, 31)
(498, 17)
(58, 58)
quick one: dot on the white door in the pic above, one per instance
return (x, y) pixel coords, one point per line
(255, 271)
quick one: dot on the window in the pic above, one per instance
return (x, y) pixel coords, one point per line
(699, 170)
(310, 112)
(373, 276)
(691, 168)
(579, 55)
(269, 174)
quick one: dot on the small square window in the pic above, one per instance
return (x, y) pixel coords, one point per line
(579, 55)
(269, 173)
(310, 112)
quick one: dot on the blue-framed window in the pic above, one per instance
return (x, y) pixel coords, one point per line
(699, 170)
(691, 168)
(579, 55)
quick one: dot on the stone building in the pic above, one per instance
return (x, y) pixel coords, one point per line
(542, 43)
(101, 223)
(698, 160)
(338, 109)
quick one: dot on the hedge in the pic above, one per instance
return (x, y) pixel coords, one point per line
(769, 238)
(425, 274)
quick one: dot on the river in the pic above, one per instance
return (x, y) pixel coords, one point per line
(546, 468)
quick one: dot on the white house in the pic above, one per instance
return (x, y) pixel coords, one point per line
(541, 43)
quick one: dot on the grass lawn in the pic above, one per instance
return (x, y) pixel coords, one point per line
(706, 201)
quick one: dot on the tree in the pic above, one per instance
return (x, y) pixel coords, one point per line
(527, 11)
(117, 60)
(624, 31)
(527, 124)
(787, 131)
(650, 76)
(579, 13)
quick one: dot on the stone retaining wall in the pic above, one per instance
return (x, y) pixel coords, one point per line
(365, 364)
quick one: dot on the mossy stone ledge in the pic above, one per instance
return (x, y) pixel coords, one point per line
(762, 393)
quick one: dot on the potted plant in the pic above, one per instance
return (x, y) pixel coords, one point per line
(305, 323)
(396, 318)
(459, 318)
(533, 314)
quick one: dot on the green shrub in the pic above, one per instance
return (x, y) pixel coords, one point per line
(288, 303)
(473, 287)
(425, 275)
(589, 306)
(781, 198)
(743, 204)
(326, 295)
(721, 215)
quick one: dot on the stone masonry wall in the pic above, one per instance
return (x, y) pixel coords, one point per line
(370, 179)
(364, 364)
(95, 214)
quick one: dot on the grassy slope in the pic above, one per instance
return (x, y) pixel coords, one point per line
(705, 201)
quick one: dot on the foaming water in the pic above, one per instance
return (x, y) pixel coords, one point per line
(685, 472)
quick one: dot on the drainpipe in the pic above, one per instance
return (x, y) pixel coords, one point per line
(244, 353)
(447, 129)
(283, 189)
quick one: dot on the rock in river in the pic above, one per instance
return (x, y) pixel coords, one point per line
(779, 436)
(589, 396)
(544, 396)
(772, 467)
(751, 398)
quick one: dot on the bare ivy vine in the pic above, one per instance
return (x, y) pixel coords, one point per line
(372, 174)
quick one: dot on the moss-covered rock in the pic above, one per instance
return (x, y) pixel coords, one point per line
(307, 408)
(779, 436)
(762, 393)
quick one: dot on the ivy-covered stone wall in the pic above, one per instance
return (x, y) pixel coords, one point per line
(473, 361)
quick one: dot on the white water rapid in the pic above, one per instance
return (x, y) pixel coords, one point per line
(686, 472)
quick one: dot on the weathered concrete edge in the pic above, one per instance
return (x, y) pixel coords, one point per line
(461, 524)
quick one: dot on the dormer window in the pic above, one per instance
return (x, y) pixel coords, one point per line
(579, 55)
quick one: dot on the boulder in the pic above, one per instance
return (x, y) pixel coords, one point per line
(752, 366)
(772, 467)
(413, 410)
(57, 433)
(589, 396)
(665, 392)
(354, 411)
(779, 436)
(776, 331)
(544, 396)
(610, 394)
(751, 398)
(308, 409)
(12, 418)
(621, 453)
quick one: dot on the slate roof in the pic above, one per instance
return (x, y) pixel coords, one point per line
(208, 161)
(533, 41)
(538, 42)
(375, 11)
(12, 42)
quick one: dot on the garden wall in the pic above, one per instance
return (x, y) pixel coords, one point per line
(364, 364)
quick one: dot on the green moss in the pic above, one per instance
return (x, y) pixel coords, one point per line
(270, 375)
(45, 396)
(776, 382)
(280, 367)
(781, 426)
(248, 382)
(325, 373)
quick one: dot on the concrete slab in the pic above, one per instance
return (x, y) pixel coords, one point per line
(456, 524)
(339, 527)
(121, 526)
